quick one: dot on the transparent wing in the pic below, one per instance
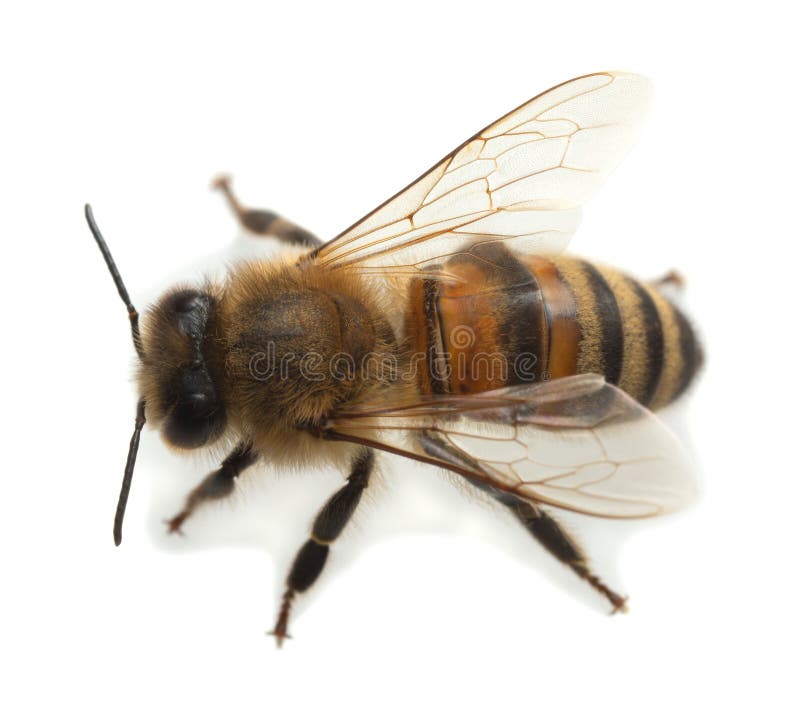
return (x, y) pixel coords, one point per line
(521, 180)
(578, 443)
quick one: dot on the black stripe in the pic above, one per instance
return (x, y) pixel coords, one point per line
(433, 342)
(525, 329)
(690, 353)
(605, 304)
(654, 335)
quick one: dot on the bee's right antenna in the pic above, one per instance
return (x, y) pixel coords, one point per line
(127, 476)
(137, 343)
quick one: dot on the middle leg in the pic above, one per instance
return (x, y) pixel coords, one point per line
(329, 524)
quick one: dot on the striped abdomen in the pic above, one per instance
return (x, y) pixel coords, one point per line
(516, 320)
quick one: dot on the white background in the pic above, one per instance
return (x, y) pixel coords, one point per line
(322, 112)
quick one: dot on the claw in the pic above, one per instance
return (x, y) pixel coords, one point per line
(174, 525)
(671, 278)
(279, 632)
(621, 606)
(221, 182)
(280, 635)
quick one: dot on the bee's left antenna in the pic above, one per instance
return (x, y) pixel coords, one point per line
(133, 315)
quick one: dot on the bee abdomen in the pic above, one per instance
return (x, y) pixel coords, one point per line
(514, 320)
(630, 333)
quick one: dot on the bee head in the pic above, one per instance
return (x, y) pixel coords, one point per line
(175, 375)
(175, 354)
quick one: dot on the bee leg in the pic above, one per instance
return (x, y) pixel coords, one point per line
(216, 485)
(548, 532)
(331, 520)
(544, 528)
(671, 278)
(263, 222)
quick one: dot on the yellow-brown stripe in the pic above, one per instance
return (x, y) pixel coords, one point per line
(643, 348)
(601, 345)
(651, 323)
(563, 331)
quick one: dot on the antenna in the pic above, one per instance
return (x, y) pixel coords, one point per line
(133, 315)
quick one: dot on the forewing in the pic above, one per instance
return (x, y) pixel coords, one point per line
(578, 443)
(521, 180)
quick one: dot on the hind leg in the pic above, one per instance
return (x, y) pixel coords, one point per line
(548, 532)
(263, 222)
(539, 524)
(671, 278)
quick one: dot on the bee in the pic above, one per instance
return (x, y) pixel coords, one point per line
(445, 326)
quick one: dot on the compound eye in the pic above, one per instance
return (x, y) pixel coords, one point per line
(188, 301)
(191, 309)
(197, 417)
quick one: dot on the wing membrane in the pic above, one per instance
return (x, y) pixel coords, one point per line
(521, 180)
(578, 443)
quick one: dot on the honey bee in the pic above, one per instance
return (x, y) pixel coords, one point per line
(444, 326)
